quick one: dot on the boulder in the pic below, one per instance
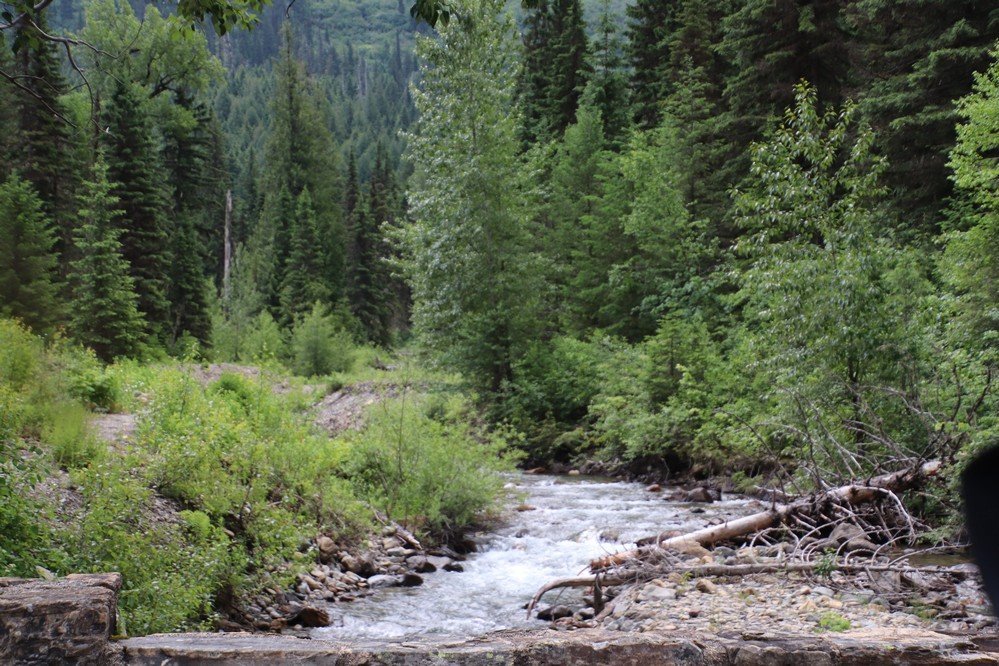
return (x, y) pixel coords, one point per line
(421, 564)
(67, 620)
(383, 580)
(327, 548)
(438, 561)
(359, 565)
(412, 580)
(702, 494)
(310, 616)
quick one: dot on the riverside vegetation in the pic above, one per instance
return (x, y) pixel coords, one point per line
(747, 238)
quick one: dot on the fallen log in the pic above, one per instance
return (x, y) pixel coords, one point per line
(735, 570)
(873, 489)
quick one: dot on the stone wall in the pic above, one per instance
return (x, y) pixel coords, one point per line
(68, 620)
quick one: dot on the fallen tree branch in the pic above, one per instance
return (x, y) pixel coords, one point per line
(735, 570)
(873, 489)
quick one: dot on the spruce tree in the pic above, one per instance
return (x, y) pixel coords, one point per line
(555, 68)
(27, 262)
(304, 285)
(105, 315)
(301, 154)
(371, 281)
(609, 85)
(914, 60)
(773, 46)
(650, 23)
(42, 153)
(137, 178)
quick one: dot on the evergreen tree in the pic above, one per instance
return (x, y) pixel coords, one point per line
(697, 107)
(650, 24)
(27, 263)
(105, 315)
(915, 59)
(301, 154)
(134, 169)
(10, 131)
(555, 68)
(304, 281)
(609, 86)
(371, 282)
(773, 45)
(42, 153)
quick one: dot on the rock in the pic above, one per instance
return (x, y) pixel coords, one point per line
(389, 543)
(706, 586)
(822, 591)
(383, 580)
(399, 551)
(310, 616)
(439, 561)
(361, 566)
(584, 614)
(67, 620)
(454, 567)
(536, 470)
(654, 591)
(611, 535)
(654, 488)
(702, 494)
(553, 613)
(411, 580)
(312, 583)
(525, 507)
(420, 564)
(573, 472)
(327, 548)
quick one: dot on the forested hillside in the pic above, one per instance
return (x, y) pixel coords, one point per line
(757, 238)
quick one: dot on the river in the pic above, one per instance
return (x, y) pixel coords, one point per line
(574, 520)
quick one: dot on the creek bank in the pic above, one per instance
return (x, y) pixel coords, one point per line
(395, 558)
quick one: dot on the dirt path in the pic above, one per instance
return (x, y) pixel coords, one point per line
(344, 409)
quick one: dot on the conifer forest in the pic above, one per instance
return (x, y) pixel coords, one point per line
(302, 301)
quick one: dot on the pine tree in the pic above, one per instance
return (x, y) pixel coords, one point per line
(609, 86)
(301, 154)
(27, 262)
(134, 169)
(915, 59)
(43, 155)
(651, 22)
(105, 315)
(773, 46)
(555, 68)
(304, 285)
(10, 131)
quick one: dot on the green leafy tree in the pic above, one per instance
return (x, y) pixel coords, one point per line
(971, 262)
(469, 256)
(28, 272)
(829, 296)
(105, 315)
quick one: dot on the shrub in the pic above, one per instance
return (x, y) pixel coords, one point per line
(429, 474)
(319, 347)
(67, 434)
(171, 571)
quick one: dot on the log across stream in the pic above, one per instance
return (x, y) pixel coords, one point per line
(575, 519)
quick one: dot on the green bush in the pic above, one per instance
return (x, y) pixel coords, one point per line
(319, 346)
(171, 571)
(68, 435)
(434, 475)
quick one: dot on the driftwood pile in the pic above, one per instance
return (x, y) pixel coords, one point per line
(851, 529)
